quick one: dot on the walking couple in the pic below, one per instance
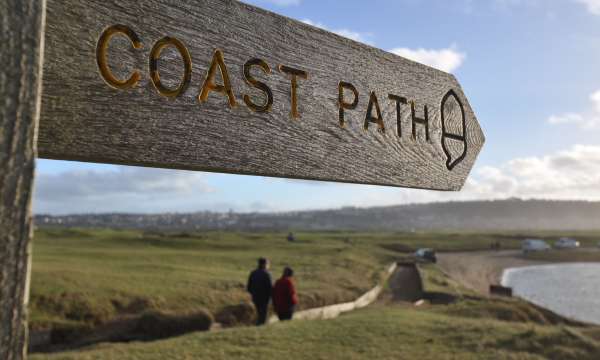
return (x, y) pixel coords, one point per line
(262, 290)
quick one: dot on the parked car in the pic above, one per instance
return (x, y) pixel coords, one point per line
(566, 243)
(426, 254)
(532, 245)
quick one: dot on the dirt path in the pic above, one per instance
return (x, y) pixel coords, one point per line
(478, 270)
(405, 284)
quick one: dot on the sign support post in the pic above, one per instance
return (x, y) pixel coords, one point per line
(21, 36)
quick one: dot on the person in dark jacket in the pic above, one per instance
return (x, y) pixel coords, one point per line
(260, 287)
(284, 296)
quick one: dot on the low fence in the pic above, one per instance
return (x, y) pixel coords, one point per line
(333, 311)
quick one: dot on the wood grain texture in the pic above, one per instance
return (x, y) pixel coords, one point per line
(20, 35)
(85, 119)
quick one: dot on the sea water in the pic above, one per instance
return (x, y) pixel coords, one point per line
(571, 290)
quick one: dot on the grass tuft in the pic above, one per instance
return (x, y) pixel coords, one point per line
(156, 325)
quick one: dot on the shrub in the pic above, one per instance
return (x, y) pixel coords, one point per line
(397, 247)
(75, 306)
(157, 325)
(506, 310)
(137, 305)
(233, 315)
(69, 334)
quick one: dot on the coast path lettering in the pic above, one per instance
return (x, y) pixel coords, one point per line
(221, 86)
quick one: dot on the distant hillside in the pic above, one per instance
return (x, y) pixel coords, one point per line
(510, 214)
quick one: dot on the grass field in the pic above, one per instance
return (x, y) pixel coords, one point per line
(93, 275)
(88, 277)
(391, 332)
(471, 328)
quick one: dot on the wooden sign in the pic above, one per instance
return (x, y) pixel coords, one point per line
(222, 86)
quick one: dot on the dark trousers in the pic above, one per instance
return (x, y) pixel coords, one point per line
(286, 315)
(261, 311)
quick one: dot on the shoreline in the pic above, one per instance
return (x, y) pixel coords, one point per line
(580, 308)
(480, 269)
(505, 272)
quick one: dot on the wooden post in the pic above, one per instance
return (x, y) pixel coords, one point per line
(21, 36)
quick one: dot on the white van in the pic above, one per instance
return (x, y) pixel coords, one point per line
(532, 245)
(566, 243)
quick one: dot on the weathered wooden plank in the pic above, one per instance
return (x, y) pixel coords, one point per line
(100, 104)
(20, 35)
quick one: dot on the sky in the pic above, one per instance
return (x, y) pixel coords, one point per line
(531, 72)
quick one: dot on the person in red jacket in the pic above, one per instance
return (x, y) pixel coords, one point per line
(284, 295)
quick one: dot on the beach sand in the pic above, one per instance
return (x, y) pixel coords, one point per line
(480, 269)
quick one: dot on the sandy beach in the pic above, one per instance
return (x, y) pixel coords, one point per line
(478, 270)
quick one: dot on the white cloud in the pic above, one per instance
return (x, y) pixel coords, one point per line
(350, 34)
(123, 189)
(571, 118)
(572, 174)
(587, 121)
(123, 181)
(593, 6)
(569, 174)
(448, 59)
(595, 98)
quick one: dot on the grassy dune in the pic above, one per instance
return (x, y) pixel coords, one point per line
(471, 328)
(89, 277)
(95, 275)
(392, 332)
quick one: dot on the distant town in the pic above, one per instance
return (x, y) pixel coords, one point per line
(511, 214)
